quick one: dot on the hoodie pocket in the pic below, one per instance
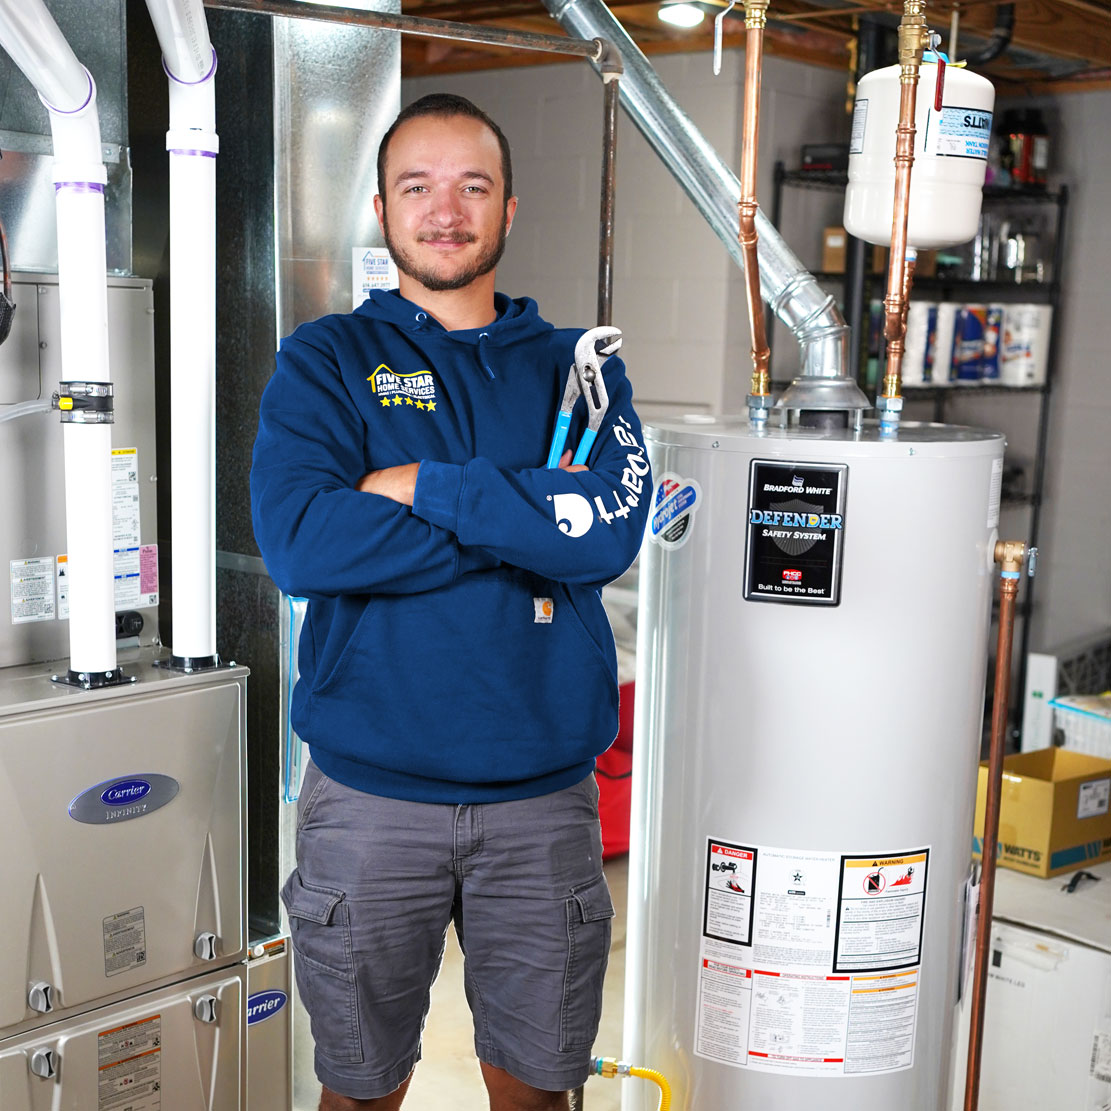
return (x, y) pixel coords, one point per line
(497, 678)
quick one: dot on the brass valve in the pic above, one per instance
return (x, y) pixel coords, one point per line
(1010, 554)
(756, 14)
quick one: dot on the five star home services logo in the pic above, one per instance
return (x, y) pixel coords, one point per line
(417, 388)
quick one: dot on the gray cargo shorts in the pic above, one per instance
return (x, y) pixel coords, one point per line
(378, 881)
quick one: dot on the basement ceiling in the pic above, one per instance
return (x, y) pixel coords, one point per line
(1057, 45)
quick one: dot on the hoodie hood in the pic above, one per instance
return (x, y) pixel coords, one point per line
(517, 319)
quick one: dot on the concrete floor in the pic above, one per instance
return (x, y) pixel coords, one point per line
(448, 1075)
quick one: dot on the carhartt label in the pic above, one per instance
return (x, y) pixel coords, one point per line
(542, 608)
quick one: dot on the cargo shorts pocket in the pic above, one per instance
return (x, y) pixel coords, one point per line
(589, 925)
(320, 925)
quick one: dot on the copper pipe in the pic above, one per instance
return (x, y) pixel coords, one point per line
(1010, 555)
(913, 36)
(594, 49)
(755, 18)
(609, 177)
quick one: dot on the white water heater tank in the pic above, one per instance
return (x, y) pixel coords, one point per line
(950, 156)
(814, 614)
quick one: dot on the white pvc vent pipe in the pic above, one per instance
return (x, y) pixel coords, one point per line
(190, 64)
(29, 34)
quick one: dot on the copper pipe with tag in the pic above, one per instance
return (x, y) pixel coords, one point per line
(1010, 555)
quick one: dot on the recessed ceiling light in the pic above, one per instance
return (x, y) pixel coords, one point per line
(681, 14)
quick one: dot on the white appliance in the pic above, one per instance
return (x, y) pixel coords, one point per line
(811, 663)
(1047, 1016)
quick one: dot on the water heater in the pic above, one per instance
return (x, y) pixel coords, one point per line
(952, 133)
(813, 625)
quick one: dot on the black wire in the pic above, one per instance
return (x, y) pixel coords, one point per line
(6, 262)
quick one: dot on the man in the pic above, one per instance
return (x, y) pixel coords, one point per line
(458, 675)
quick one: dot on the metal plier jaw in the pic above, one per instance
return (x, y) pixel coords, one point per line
(585, 380)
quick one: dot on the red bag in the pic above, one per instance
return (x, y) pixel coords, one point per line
(615, 781)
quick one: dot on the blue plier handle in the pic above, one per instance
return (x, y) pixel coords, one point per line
(585, 380)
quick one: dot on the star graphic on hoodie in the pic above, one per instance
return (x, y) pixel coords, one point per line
(431, 406)
(396, 400)
(408, 400)
(420, 404)
(386, 402)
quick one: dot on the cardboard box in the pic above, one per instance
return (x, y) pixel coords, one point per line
(834, 241)
(1055, 814)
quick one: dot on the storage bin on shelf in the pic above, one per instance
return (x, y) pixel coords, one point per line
(1085, 722)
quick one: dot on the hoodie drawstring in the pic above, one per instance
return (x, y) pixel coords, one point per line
(483, 361)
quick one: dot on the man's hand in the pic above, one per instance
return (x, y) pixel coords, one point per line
(396, 483)
(566, 465)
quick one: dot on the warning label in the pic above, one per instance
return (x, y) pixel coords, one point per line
(803, 979)
(32, 589)
(882, 908)
(129, 1076)
(125, 941)
(727, 914)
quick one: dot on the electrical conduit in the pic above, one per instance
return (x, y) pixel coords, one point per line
(793, 294)
(190, 64)
(30, 35)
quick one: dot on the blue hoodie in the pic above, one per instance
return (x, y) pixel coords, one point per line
(456, 651)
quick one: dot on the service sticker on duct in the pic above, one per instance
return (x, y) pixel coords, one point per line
(796, 524)
(129, 1066)
(125, 941)
(673, 506)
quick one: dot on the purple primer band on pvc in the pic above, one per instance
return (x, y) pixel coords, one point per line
(79, 186)
(194, 153)
(74, 111)
(178, 80)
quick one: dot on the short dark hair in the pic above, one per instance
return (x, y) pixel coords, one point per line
(445, 105)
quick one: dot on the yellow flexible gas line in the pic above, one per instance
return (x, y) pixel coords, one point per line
(611, 1067)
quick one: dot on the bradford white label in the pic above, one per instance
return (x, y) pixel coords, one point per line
(796, 525)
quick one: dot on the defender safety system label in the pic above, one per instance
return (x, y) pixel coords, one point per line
(796, 524)
(810, 960)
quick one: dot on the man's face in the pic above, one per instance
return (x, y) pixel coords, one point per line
(443, 213)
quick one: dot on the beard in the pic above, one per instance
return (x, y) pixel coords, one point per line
(435, 282)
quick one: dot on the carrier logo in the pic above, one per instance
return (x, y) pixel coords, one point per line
(572, 513)
(126, 792)
(120, 800)
(417, 388)
(263, 1005)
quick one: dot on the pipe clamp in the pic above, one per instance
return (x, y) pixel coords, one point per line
(84, 402)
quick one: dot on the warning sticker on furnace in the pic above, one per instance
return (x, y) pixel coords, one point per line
(796, 523)
(125, 941)
(881, 911)
(129, 1067)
